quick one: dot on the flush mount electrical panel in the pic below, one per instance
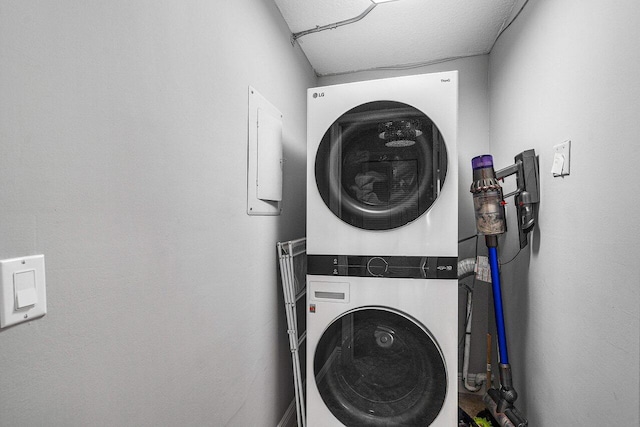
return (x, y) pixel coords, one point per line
(23, 294)
(265, 157)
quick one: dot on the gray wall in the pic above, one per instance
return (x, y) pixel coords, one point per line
(123, 153)
(473, 140)
(569, 70)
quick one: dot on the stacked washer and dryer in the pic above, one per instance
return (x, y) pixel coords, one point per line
(382, 232)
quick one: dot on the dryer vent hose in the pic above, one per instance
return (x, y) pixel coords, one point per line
(466, 267)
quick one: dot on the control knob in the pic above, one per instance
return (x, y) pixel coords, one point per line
(377, 266)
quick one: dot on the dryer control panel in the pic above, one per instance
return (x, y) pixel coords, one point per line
(407, 267)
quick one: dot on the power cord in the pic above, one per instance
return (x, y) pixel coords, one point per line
(514, 257)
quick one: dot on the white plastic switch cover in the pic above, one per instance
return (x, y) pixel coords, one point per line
(24, 284)
(23, 294)
(558, 164)
(561, 159)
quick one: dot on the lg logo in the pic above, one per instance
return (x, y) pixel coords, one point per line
(318, 95)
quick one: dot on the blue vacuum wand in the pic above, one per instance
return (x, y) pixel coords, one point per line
(489, 204)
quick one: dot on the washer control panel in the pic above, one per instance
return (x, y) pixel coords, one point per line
(409, 267)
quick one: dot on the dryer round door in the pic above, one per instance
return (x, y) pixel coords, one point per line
(377, 367)
(381, 165)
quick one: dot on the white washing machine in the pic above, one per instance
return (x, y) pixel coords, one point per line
(382, 231)
(382, 167)
(382, 352)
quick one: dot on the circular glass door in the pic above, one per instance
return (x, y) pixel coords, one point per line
(381, 165)
(376, 367)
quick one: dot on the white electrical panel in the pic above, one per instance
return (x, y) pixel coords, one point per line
(265, 157)
(23, 295)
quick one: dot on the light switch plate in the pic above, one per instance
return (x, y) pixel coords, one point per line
(562, 159)
(23, 295)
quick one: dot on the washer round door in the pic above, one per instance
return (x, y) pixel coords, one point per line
(381, 165)
(377, 367)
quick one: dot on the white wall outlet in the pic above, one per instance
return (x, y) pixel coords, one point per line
(561, 159)
(23, 295)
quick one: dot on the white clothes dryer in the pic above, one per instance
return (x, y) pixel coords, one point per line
(382, 167)
(381, 352)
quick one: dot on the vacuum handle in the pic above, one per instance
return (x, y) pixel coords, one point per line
(497, 304)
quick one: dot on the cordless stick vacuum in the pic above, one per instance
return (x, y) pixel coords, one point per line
(489, 204)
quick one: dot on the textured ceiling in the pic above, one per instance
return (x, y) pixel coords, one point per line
(399, 33)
